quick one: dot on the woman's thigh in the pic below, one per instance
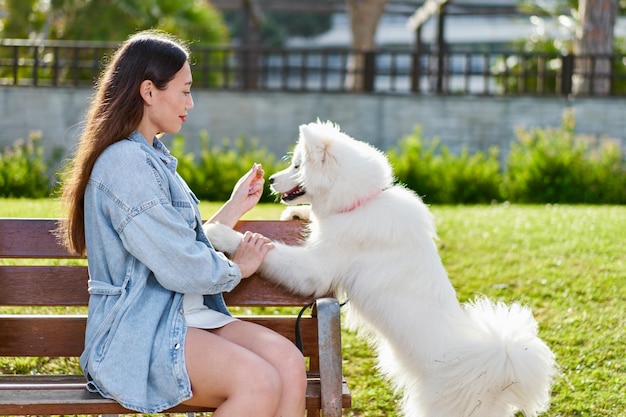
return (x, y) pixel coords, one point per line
(221, 369)
(279, 351)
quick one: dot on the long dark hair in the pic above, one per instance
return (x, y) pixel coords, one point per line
(115, 111)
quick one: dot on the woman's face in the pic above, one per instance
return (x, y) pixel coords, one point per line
(165, 111)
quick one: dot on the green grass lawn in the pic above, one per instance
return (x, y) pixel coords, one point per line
(566, 262)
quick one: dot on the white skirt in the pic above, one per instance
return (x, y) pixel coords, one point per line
(200, 316)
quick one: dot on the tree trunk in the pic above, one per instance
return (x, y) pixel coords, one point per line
(594, 46)
(364, 18)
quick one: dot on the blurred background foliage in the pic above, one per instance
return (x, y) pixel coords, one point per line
(543, 165)
(108, 20)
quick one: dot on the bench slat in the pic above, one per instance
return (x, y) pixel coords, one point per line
(34, 238)
(30, 238)
(63, 336)
(26, 285)
(257, 291)
(66, 394)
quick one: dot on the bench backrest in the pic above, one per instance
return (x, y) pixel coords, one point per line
(35, 273)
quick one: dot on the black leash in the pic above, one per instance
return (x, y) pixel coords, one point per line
(298, 333)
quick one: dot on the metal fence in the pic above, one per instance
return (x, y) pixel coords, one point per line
(342, 70)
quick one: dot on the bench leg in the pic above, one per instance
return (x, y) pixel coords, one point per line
(329, 333)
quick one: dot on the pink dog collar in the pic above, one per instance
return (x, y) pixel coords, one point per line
(362, 201)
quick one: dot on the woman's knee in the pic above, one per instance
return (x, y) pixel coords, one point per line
(292, 368)
(269, 381)
(224, 373)
(257, 391)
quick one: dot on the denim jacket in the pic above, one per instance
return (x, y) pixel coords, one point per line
(145, 248)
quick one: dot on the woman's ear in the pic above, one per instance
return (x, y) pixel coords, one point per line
(145, 90)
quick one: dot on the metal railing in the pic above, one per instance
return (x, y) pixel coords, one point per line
(336, 70)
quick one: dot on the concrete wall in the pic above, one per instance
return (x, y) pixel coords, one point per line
(273, 118)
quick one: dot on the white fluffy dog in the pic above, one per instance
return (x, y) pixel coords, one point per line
(374, 241)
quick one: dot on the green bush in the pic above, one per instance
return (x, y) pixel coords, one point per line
(557, 166)
(214, 170)
(23, 171)
(438, 175)
(472, 178)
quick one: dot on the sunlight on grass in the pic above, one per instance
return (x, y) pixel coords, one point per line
(51, 208)
(566, 262)
(26, 207)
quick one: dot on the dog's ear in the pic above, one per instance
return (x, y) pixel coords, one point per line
(316, 144)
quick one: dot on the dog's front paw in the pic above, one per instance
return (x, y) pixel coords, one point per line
(222, 237)
(296, 213)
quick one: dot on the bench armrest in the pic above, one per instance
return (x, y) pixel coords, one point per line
(330, 355)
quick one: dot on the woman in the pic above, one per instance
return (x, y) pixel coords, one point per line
(158, 331)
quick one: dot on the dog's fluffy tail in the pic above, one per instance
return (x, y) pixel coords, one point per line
(504, 367)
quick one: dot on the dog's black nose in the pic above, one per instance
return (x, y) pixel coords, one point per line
(271, 180)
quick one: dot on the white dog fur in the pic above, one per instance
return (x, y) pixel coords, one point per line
(375, 242)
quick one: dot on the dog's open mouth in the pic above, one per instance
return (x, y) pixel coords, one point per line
(293, 194)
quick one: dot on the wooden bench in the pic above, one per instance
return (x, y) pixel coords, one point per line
(37, 283)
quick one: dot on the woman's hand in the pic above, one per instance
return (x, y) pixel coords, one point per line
(245, 196)
(249, 188)
(251, 252)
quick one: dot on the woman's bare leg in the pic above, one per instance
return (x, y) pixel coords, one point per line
(245, 370)
(229, 377)
(282, 355)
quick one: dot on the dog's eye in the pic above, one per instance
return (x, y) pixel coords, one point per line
(296, 166)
